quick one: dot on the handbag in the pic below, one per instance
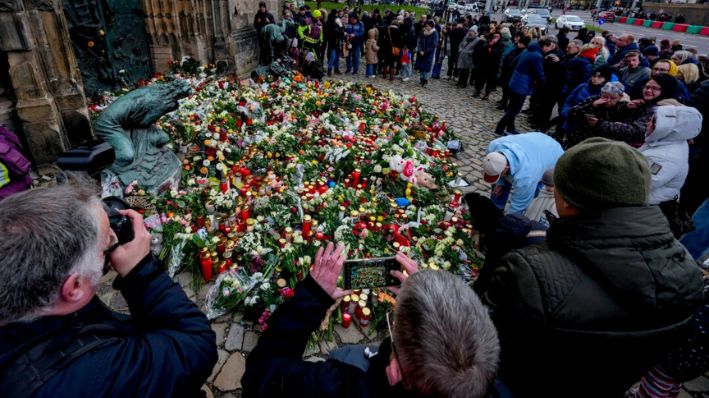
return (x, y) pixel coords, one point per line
(395, 51)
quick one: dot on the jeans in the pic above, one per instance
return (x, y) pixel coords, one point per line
(513, 108)
(501, 200)
(425, 76)
(371, 70)
(405, 71)
(333, 59)
(353, 58)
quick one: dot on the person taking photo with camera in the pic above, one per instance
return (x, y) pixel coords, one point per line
(57, 338)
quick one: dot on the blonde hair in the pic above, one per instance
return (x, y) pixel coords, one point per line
(689, 73)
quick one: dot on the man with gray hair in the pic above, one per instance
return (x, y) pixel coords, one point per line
(442, 342)
(57, 338)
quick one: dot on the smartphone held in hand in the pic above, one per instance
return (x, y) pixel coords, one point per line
(371, 272)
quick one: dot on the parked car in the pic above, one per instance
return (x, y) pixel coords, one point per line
(572, 22)
(513, 15)
(608, 16)
(536, 21)
(542, 12)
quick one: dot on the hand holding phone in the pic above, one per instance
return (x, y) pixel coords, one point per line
(371, 272)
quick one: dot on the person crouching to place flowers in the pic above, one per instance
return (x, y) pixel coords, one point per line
(443, 343)
(56, 337)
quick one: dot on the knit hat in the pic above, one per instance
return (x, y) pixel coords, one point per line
(493, 166)
(599, 173)
(317, 14)
(604, 71)
(651, 51)
(354, 15)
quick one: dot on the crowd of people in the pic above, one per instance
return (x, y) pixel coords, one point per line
(594, 275)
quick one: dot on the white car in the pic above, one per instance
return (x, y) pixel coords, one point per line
(570, 21)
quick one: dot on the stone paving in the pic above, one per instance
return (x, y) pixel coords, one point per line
(473, 120)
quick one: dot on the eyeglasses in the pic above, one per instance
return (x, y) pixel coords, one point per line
(652, 88)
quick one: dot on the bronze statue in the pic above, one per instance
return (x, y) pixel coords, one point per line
(129, 126)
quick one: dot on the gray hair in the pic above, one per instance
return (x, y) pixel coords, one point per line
(445, 341)
(547, 40)
(47, 235)
(613, 88)
(578, 43)
(682, 56)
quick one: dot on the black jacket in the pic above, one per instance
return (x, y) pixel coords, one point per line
(587, 313)
(167, 349)
(275, 368)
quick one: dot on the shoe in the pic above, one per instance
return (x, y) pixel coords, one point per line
(348, 70)
(499, 133)
(329, 73)
(513, 132)
(354, 73)
(501, 107)
(476, 94)
(406, 79)
(485, 97)
(337, 72)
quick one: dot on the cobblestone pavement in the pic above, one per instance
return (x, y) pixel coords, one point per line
(473, 120)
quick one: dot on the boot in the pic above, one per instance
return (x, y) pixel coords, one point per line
(384, 72)
(391, 74)
(329, 72)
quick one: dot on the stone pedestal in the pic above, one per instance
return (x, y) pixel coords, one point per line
(246, 50)
(45, 80)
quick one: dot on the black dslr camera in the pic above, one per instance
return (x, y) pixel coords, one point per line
(120, 224)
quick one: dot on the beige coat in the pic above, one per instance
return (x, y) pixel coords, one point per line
(371, 47)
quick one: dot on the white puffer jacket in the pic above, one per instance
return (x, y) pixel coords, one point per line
(667, 151)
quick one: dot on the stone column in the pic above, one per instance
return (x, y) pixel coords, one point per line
(44, 76)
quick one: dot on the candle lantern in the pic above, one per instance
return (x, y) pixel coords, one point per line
(365, 317)
(346, 319)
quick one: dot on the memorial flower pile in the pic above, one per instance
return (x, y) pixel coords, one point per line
(273, 171)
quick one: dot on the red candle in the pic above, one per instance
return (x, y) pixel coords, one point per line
(365, 317)
(346, 320)
(207, 268)
(244, 215)
(307, 224)
(355, 177)
(224, 185)
(456, 198)
(222, 267)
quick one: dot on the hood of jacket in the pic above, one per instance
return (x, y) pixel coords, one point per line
(372, 34)
(675, 123)
(633, 250)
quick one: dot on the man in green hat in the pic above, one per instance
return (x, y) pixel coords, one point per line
(586, 313)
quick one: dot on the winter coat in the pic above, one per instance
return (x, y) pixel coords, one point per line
(509, 63)
(578, 71)
(620, 53)
(371, 47)
(275, 368)
(587, 313)
(14, 166)
(555, 73)
(164, 349)
(491, 63)
(529, 156)
(480, 55)
(529, 71)
(507, 47)
(667, 151)
(465, 52)
(426, 43)
(578, 128)
(629, 125)
(358, 31)
(262, 19)
(576, 97)
(631, 77)
(700, 100)
(334, 34)
(536, 210)
(457, 35)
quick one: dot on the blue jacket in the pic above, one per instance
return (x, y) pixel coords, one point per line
(529, 156)
(165, 349)
(580, 94)
(428, 45)
(529, 70)
(358, 31)
(578, 71)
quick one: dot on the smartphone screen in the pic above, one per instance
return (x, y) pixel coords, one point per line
(371, 272)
